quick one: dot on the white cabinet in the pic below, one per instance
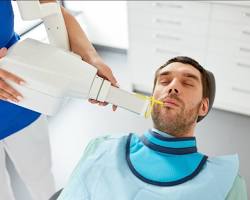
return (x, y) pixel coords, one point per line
(161, 30)
(228, 56)
(215, 34)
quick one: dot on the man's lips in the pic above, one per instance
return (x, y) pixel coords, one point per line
(171, 102)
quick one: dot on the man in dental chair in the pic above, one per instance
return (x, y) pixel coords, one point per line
(164, 162)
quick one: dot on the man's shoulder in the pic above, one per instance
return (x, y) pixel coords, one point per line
(111, 138)
(224, 170)
(226, 164)
(238, 190)
(224, 160)
(105, 142)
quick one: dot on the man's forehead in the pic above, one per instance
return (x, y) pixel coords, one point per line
(177, 67)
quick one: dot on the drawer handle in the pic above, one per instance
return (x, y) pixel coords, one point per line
(246, 32)
(161, 4)
(243, 65)
(244, 49)
(163, 36)
(160, 50)
(241, 90)
(167, 21)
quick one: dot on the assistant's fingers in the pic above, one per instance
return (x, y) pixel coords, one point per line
(3, 98)
(3, 52)
(103, 103)
(112, 79)
(7, 88)
(114, 107)
(8, 96)
(93, 101)
(105, 72)
(8, 75)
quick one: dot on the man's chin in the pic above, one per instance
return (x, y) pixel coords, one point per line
(170, 111)
(168, 114)
(171, 115)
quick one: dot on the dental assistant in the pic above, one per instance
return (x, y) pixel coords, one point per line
(24, 133)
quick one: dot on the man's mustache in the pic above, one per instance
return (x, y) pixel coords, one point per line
(173, 96)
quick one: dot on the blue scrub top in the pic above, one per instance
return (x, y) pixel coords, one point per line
(12, 117)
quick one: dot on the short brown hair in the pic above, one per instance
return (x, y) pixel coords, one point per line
(207, 78)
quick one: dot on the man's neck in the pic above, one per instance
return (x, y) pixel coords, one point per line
(187, 133)
(162, 133)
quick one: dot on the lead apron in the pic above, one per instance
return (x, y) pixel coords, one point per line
(151, 167)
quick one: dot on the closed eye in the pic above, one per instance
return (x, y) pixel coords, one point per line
(188, 84)
(164, 82)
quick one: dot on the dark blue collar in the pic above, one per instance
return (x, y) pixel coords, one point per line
(163, 161)
(170, 145)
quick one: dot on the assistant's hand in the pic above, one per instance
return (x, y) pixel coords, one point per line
(80, 45)
(6, 91)
(105, 72)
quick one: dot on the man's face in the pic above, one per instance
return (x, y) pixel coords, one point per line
(179, 86)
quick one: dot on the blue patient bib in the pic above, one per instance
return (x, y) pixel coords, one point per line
(150, 167)
(163, 161)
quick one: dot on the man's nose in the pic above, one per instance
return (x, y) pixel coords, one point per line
(173, 90)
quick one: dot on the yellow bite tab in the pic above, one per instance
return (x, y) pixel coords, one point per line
(152, 101)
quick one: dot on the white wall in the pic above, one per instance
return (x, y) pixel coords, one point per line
(105, 21)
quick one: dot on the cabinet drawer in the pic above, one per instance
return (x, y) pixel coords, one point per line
(230, 48)
(167, 22)
(224, 30)
(164, 52)
(143, 69)
(168, 38)
(147, 59)
(144, 60)
(230, 70)
(230, 13)
(173, 8)
(233, 98)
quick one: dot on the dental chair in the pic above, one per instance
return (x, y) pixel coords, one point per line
(56, 195)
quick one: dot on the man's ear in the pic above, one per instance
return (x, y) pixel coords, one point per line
(204, 107)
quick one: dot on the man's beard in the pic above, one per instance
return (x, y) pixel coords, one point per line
(177, 124)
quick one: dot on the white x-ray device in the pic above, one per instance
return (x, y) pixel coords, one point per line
(53, 73)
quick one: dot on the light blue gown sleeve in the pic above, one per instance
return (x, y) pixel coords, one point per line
(238, 190)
